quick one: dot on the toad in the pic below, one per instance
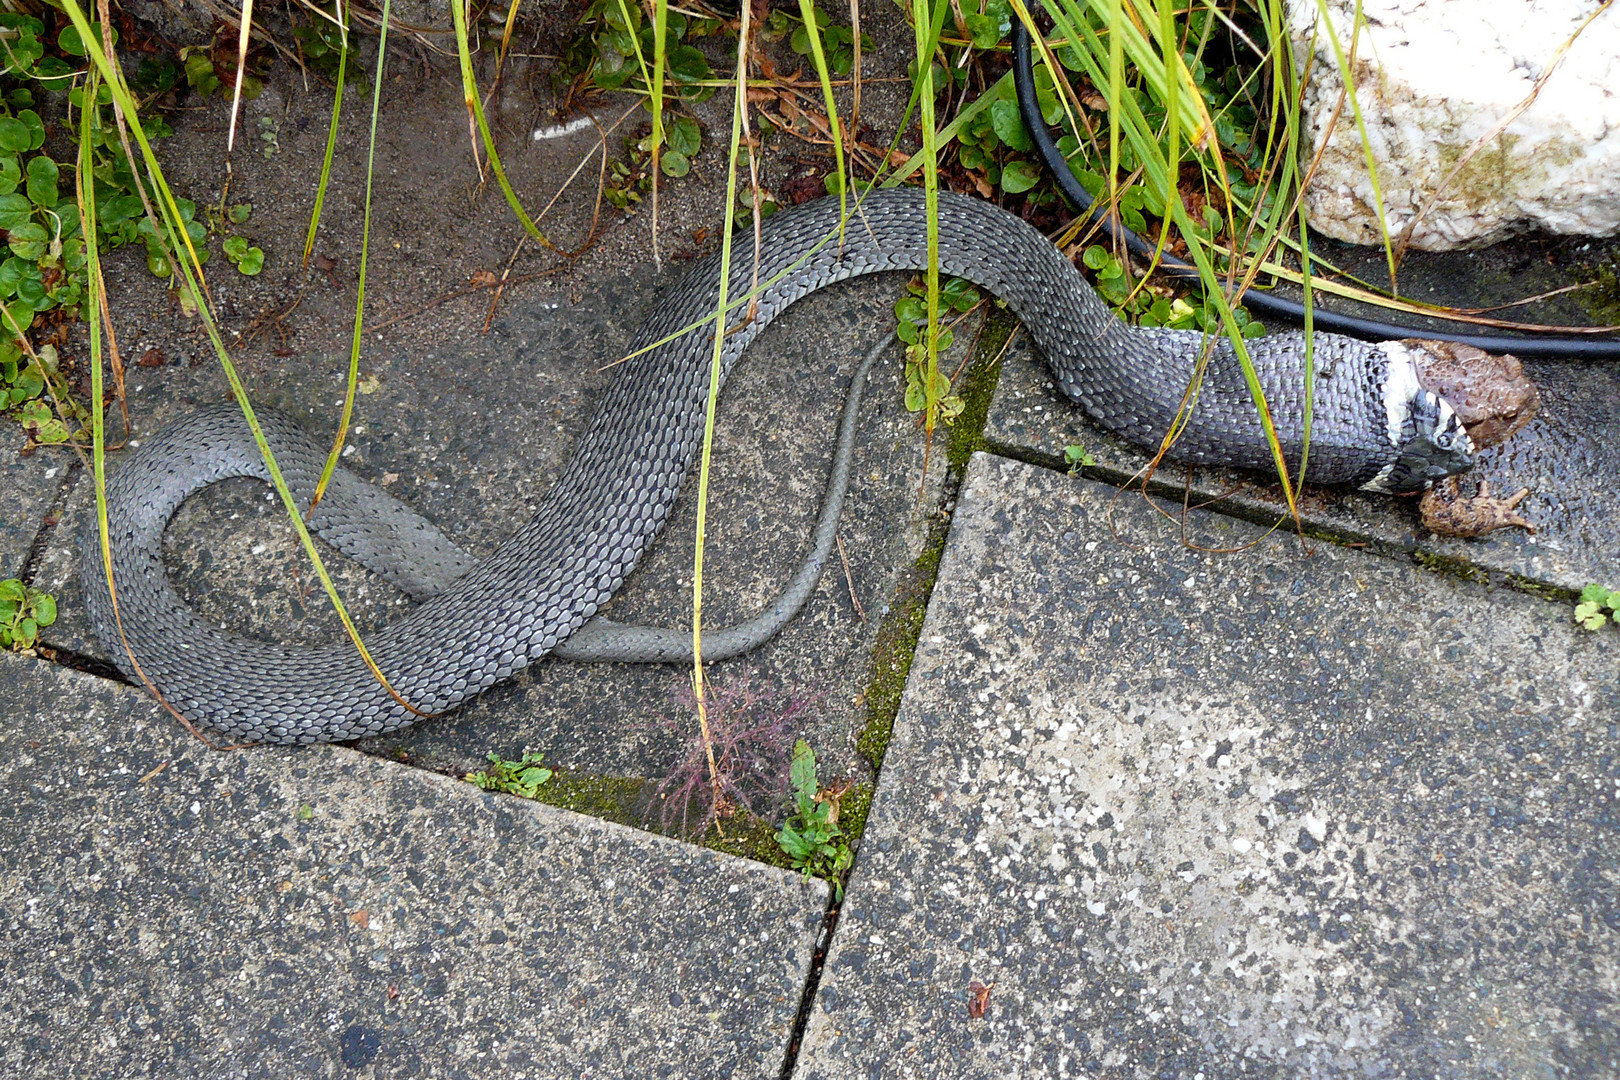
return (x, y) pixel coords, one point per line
(1494, 399)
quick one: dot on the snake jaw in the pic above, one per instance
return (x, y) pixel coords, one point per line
(1427, 435)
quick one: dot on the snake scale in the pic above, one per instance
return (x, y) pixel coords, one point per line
(1374, 426)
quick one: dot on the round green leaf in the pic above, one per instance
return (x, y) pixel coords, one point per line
(1019, 176)
(44, 609)
(674, 163)
(235, 247)
(613, 69)
(15, 211)
(684, 136)
(42, 178)
(688, 65)
(1009, 126)
(31, 289)
(28, 241)
(15, 319)
(36, 128)
(14, 135)
(252, 262)
(119, 208)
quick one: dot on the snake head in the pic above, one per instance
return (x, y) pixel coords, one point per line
(1425, 432)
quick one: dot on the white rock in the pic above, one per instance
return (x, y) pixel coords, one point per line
(1432, 76)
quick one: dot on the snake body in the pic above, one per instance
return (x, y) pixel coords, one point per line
(1374, 425)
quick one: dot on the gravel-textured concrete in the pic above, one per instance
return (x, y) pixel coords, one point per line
(168, 910)
(30, 489)
(1269, 813)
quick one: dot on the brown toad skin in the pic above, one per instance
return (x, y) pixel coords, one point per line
(1491, 393)
(1494, 399)
(1448, 512)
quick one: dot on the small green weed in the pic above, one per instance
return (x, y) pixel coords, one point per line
(321, 43)
(837, 42)
(811, 837)
(44, 262)
(957, 295)
(1598, 605)
(269, 132)
(522, 777)
(606, 50)
(1077, 457)
(23, 611)
(1146, 307)
(248, 260)
(207, 77)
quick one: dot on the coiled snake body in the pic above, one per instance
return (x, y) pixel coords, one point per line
(1374, 425)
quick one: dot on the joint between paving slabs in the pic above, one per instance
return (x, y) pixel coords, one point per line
(1453, 566)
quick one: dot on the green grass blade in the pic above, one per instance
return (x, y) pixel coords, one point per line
(360, 283)
(331, 137)
(475, 104)
(739, 104)
(925, 95)
(171, 226)
(1347, 78)
(807, 10)
(656, 85)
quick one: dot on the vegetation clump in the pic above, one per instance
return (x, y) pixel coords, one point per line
(811, 836)
(24, 611)
(1597, 605)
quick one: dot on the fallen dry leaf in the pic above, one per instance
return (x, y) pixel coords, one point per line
(978, 998)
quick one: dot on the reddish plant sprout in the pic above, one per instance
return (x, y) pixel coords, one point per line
(752, 734)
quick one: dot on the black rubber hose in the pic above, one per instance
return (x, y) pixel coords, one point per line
(1550, 345)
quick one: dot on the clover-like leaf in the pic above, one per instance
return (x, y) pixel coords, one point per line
(684, 136)
(1019, 176)
(29, 240)
(42, 180)
(1009, 126)
(14, 135)
(35, 127)
(688, 65)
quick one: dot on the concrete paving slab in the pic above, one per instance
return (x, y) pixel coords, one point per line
(1192, 814)
(1566, 457)
(31, 489)
(169, 910)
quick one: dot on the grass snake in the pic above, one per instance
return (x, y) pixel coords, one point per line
(1374, 425)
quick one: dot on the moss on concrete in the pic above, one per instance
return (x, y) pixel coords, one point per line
(853, 810)
(897, 640)
(612, 798)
